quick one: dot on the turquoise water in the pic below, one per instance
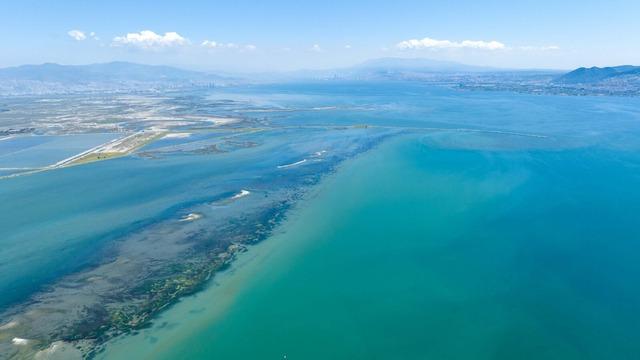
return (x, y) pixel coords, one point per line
(38, 151)
(496, 226)
(416, 251)
(56, 223)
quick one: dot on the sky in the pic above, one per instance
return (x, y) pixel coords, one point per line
(283, 35)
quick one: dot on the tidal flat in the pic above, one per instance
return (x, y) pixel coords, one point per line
(388, 216)
(146, 263)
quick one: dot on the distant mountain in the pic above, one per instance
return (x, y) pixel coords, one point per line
(113, 71)
(595, 75)
(113, 76)
(435, 71)
(419, 65)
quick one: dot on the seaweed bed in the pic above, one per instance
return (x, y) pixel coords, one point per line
(166, 259)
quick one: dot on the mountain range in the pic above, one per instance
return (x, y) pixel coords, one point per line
(596, 75)
(104, 72)
(52, 78)
(421, 65)
(125, 76)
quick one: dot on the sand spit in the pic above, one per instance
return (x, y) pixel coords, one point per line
(215, 120)
(9, 325)
(59, 350)
(176, 135)
(118, 147)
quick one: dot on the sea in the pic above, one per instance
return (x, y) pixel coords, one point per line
(482, 225)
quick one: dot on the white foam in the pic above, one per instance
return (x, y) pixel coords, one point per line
(191, 217)
(241, 194)
(292, 164)
(19, 341)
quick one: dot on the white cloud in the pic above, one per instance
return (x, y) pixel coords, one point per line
(210, 44)
(77, 35)
(316, 48)
(148, 39)
(539, 48)
(347, 46)
(428, 43)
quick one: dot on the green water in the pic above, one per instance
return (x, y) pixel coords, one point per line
(417, 251)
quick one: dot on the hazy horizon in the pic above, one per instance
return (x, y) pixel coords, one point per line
(258, 71)
(249, 36)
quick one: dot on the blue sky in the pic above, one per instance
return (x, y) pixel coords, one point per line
(284, 35)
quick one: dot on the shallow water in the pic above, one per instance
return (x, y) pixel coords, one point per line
(26, 152)
(58, 222)
(413, 251)
(502, 226)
